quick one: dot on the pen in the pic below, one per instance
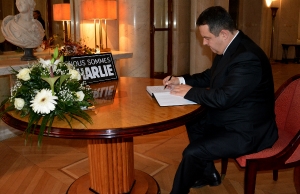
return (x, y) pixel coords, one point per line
(168, 80)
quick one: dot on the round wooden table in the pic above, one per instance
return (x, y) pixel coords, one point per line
(123, 109)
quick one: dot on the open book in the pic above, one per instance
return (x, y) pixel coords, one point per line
(164, 98)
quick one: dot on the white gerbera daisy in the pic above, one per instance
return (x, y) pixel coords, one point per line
(44, 102)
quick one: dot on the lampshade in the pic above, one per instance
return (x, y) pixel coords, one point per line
(99, 9)
(275, 4)
(268, 2)
(105, 9)
(61, 12)
(87, 10)
(112, 10)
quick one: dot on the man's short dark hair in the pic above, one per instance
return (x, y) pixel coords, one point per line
(38, 12)
(217, 19)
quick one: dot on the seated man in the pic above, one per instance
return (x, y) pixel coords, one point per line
(238, 94)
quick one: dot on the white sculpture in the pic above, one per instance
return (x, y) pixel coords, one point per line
(22, 29)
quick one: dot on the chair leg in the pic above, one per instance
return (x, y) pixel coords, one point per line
(224, 164)
(297, 179)
(250, 178)
(275, 175)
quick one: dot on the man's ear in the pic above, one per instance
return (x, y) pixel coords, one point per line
(224, 34)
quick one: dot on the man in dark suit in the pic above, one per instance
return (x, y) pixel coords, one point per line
(38, 16)
(238, 94)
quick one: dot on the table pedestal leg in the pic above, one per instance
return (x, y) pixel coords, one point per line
(112, 170)
(111, 165)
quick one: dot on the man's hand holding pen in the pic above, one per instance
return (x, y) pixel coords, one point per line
(173, 83)
(170, 81)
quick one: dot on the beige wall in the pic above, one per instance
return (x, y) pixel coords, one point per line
(7, 8)
(256, 21)
(287, 26)
(181, 37)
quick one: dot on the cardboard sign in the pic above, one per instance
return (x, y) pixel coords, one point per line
(94, 68)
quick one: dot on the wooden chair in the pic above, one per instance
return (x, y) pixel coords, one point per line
(285, 153)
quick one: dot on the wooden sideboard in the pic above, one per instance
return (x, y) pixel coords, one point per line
(285, 49)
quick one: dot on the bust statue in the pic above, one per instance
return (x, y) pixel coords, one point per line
(22, 29)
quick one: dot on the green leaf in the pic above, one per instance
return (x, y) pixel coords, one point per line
(55, 53)
(63, 78)
(43, 126)
(51, 81)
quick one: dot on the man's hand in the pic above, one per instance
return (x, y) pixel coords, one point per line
(180, 90)
(170, 83)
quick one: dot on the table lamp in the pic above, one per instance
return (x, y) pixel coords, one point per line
(61, 12)
(88, 13)
(111, 14)
(100, 10)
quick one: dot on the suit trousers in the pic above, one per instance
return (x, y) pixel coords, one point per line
(207, 143)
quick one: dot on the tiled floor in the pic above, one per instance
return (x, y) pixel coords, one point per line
(53, 167)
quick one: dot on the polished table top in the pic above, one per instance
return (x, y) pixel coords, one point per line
(123, 108)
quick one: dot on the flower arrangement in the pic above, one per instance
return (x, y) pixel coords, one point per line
(49, 89)
(71, 48)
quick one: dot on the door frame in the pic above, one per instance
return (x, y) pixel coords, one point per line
(169, 29)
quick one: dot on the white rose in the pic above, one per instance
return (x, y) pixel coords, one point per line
(74, 74)
(80, 95)
(70, 66)
(24, 74)
(19, 103)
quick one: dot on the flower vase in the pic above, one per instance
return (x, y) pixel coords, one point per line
(28, 55)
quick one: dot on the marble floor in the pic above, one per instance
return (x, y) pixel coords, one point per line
(53, 167)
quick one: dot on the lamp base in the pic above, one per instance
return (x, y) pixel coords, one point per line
(28, 55)
(105, 50)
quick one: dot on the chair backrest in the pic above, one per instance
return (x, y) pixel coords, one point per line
(287, 110)
(287, 106)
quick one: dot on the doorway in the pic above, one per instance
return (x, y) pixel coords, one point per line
(161, 20)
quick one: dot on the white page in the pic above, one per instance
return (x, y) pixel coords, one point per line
(157, 89)
(167, 99)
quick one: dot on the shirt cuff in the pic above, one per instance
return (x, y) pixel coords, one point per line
(181, 80)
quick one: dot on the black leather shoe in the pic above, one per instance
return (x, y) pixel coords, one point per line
(213, 179)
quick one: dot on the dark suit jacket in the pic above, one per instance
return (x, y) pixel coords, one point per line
(238, 92)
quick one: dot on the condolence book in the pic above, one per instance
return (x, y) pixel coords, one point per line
(164, 98)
